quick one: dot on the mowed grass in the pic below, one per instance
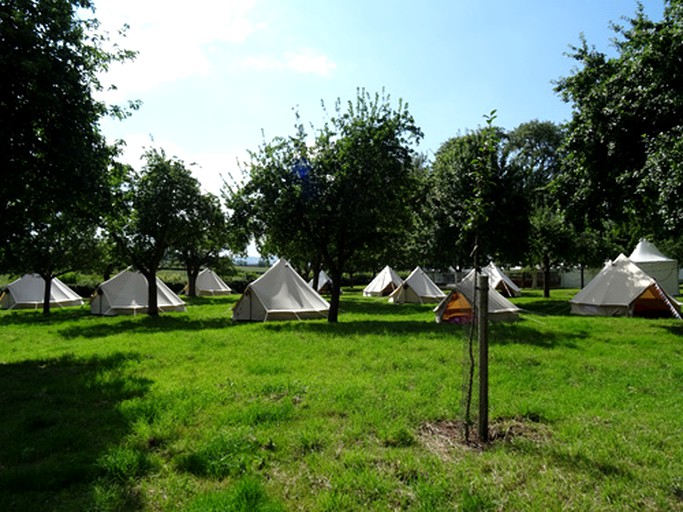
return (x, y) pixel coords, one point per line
(192, 412)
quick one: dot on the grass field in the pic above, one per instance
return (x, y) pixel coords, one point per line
(190, 412)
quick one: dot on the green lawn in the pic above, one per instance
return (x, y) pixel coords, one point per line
(192, 412)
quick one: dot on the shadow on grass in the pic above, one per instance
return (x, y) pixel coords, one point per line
(677, 329)
(57, 418)
(596, 467)
(591, 465)
(35, 317)
(165, 323)
(380, 306)
(524, 332)
(521, 332)
(550, 307)
(370, 327)
(227, 300)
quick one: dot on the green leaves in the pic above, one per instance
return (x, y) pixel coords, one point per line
(627, 116)
(346, 189)
(58, 172)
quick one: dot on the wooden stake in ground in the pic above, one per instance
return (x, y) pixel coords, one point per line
(482, 326)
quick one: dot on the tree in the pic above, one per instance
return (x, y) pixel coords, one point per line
(533, 152)
(55, 161)
(626, 126)
(661, 185)
(203, 236)
(155, 215)
(275, 203)
(408, 246)
(351, 189)
(52, 247)
(476, 201)
(551, 240)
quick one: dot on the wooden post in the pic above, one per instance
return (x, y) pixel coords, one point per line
(482, 326)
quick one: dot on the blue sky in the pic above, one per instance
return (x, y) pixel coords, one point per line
(215, 77)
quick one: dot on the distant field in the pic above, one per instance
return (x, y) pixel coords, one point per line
(191, 412)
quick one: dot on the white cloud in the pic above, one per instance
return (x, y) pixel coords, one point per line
(310, 62)
(172, 36)
(307, 62)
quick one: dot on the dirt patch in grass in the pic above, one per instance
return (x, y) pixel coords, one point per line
(447, 438)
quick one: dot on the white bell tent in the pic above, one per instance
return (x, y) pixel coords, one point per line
(383, 284)
(28, 292)
(417, 288)
(458, 306)
(623, 289)
(500, 282)
(209, 283)
(280, 294)
(656, 265)
(324, 283)
(127, 294)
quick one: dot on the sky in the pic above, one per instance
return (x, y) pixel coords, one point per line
(216, 78)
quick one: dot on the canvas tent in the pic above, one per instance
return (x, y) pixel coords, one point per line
(209, 283)
(324, 283)
(126, 294)
(458, 306)
(656, 265)
(28, 292)
(500, 282)
(280, 294)
(383, 284)
(417, 288)
(623, 289)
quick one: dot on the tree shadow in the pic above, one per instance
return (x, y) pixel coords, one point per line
(355, 327)
(199, 300)
(58, 417)
(521, 332)
(593, 466)
(35, 317)
(549, 307)
(676, 330)
(81, 322)
(164, 323)
(373, 306)
(596, 467)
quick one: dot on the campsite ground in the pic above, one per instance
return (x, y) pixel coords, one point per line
(192, 412)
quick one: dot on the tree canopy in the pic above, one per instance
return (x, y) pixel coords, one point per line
(56, 164)
(347, 190)
(623, 140)
(204, 235)
(153, 215)
(533, 154)
(476, 201)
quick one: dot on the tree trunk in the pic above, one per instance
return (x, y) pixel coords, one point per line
(192, 273)
(546, 275)
(334, 299)
(152, 302)
(46, 295)
(582, 274)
